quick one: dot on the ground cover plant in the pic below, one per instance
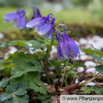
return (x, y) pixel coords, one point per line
(31, 79)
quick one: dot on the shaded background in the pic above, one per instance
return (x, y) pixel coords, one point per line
(82, 17)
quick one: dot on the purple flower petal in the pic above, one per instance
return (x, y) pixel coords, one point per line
(6, 20)
(33, 23)
(61, 44)
(49, 35)
(10, 16)
(21, 21)
(14, 22)
(66, 46)
(73, 47)
(66, 49)
(43, 28)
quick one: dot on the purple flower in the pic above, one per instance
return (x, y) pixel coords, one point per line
(36, 13)
(66, 47)
(17, 18)
(44, 24)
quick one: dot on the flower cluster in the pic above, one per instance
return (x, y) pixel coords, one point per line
(44, 24)
(66, 47)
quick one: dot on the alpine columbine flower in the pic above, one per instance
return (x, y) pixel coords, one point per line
(66, 47)
(17, 18)
(44, 24)
(36, 13)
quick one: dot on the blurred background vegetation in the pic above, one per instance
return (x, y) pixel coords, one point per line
(81, 16)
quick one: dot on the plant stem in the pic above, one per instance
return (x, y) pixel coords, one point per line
(64, 72)
(45, 68)
(49, 49)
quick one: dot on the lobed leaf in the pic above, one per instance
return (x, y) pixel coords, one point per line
(38, 86)
(26, 68)
(15, 93)
(96, 90)
(86, 89)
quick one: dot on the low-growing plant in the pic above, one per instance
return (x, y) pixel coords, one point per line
(25, 80)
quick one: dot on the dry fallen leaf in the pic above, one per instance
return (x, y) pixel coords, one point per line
(51, 89)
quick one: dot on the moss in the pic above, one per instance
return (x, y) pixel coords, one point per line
(19, 35)
(83, 30)
(77, 30)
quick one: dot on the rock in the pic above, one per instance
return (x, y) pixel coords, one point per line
(1, 35)
(80, 69)
(91, 70)
(12, 49)
(90, 84)
(83, 41)
(76, 81)
(83, 57)
(90, 63)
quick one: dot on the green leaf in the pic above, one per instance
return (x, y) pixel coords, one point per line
(30, 67)
(86, 89)
(56, 63)
(17, 42)
(6, 71)
(96, 90)
(76, 64)
(6, 65)
(3, 45)
(101, 88)
(27, 67)
(4, 83)
(24, 75)
(33, 45)
(99, 68)
(100, 52)
(92, 52)
(45, 98)
(38, 86)
(25, 58)
(15, 93)
(18, 74)
(97, 58)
